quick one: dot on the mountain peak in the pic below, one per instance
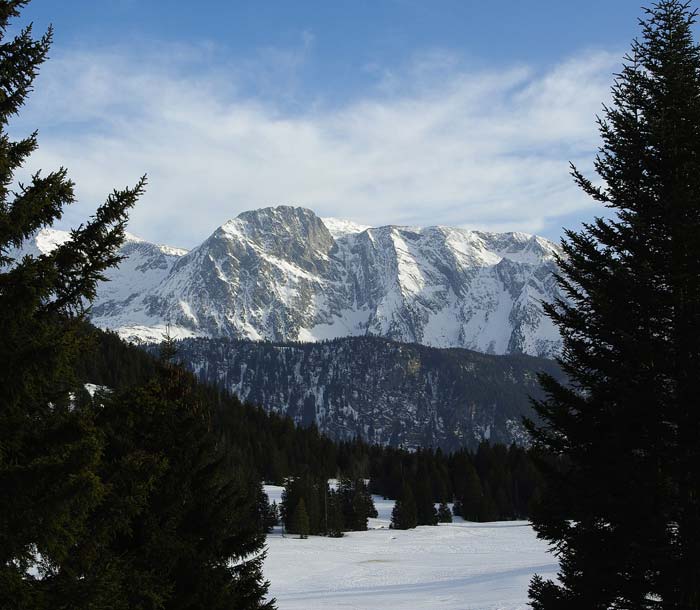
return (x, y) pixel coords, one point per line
(282, 273)
(285, 218)
(287, 232)
(281, 211)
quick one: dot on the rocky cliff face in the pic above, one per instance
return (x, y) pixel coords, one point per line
(385, 392)
(284, 274)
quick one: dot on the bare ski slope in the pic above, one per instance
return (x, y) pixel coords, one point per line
(465, 566)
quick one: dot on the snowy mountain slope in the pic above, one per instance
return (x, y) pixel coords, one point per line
(385, 392)
(121, 298)
(283, 273)
(145, 265)
(339, 227)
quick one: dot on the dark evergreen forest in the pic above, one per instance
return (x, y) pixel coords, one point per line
(495, 482)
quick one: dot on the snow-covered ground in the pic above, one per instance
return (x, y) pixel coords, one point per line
(465, 566)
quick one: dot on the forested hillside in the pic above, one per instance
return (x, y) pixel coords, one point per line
(494, 480)
(389, 393)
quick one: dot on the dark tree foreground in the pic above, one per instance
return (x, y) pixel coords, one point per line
(49, 450)
(623, 513)
(127, 500)
(191, 513)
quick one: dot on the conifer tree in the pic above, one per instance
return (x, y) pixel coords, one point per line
(290, 499)
(403, 515)
(356, 504)
(425, 506)
(444, 513)
(272, 517)
(472, 501)
(195, 540)
(336, 526)
(265, 511)
(300, 520)
(49, 445)
(312, 492)
(624, 514)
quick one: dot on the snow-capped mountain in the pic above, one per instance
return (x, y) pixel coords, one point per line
(284, 274)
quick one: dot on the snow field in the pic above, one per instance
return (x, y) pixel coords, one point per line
(465, 566)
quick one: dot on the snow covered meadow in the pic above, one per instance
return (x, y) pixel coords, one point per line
(465, 566)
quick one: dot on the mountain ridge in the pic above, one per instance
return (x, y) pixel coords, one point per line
(283, 273)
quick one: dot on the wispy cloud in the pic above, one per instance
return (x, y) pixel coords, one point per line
(432, 143)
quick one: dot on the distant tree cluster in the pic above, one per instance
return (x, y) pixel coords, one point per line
(494, 483)
(310, 506)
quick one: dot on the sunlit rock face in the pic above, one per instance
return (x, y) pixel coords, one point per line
(284, 274)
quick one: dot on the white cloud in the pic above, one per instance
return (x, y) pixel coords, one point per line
(435, 143)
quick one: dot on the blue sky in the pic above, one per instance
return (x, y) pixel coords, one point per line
(386, 111)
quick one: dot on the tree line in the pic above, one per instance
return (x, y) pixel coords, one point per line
(495, 482)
